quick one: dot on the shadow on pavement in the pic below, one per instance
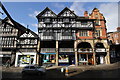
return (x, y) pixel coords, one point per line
(98, 74)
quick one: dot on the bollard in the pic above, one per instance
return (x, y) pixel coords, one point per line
(66, 71)
(62, 69)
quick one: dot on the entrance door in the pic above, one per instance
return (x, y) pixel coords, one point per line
(90, 59)
(71, 59)
(101, 59)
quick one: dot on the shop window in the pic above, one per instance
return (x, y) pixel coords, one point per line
(25, 59)
(49, 58)
(83, 33)
(82, 57)
(63, 59)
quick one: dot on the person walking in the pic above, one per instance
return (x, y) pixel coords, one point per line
(8, 63)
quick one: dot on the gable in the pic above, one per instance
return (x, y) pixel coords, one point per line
(46, 13)
(67, 12)
(25, 35)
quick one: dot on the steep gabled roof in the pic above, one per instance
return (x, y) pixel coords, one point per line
(65, 9)
(46, 9)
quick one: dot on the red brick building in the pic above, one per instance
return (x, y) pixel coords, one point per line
(114, 37)
(114, 40)
(95, 39)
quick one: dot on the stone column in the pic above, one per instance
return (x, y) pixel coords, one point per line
(93, 47)
(37, 59)
(94, 59)
(38, 56)
(76, 57)
(107, 58)
(56, 53)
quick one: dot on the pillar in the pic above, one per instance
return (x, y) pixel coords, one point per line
(107, 57)
(38, 56)
(76, 56)
(37, 59)
(94, 59)
(56, 53)
(93, 47)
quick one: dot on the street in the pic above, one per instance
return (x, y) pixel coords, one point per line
(99, 71)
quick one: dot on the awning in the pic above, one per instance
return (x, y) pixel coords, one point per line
(46, 53)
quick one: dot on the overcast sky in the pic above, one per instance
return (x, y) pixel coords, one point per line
(25, 12)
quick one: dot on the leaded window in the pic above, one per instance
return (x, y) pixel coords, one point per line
(97, 33)
(83, 33)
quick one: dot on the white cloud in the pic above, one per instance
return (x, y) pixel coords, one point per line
(58, 5)
(110, 12)
(33, 15)
(36, 25)
(78, 8)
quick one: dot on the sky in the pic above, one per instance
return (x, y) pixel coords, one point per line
(25, 12)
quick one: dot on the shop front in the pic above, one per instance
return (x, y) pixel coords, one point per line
(66, 58)
(100, 57)
(85, 54)
(85, 59)
(25, 58)
(49, 58)
(5, 58)
(100, 53)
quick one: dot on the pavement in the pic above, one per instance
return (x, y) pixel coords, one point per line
(105, 70)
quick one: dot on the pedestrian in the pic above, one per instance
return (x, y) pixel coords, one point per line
(32, 60)
(8, 63)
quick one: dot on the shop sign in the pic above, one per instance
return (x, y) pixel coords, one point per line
(101, 50)
(64, 60)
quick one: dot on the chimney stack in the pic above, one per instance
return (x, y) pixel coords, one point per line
(118, 28)
(85, 14)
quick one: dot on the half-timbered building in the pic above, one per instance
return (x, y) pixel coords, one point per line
(8, 37)
(26, 51)
(18, 43)
(67, 39)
